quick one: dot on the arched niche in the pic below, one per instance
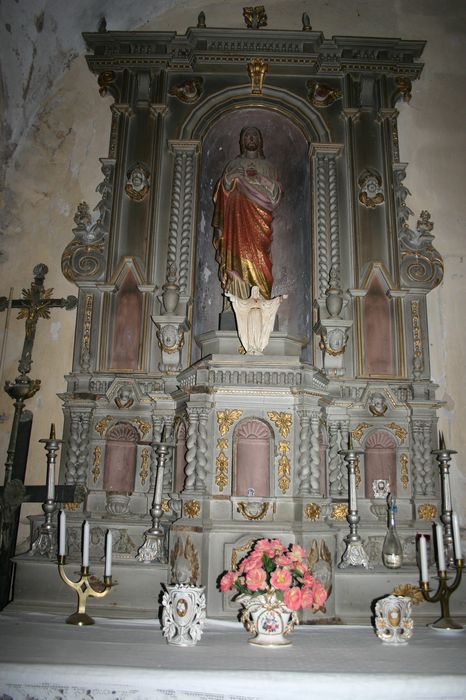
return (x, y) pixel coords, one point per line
(286, 146)
(252, 458)
(379, 461)
(120, 459)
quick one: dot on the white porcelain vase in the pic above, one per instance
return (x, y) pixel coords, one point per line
(183, 616)
(268, 619)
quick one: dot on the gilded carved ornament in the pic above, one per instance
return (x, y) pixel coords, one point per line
(222, 444)
(370, 189)
(137, 182)
(144, 471)
(321, 95)
(410, 591)
(238, 550)
(189, 91)
(339, 511)
(258, 515)
(427, 511)
(257, 68)
(357, 433)
(283, 447)
(102, 425)
(398, 430)
(142, 425)
(226, 418)
(221, 471)
(312, 511)
(357, 472)
(96, 464)
(165, 505)
(404, 470)
(282, 421)
(192, 508)
(284, 470)
(255, 17)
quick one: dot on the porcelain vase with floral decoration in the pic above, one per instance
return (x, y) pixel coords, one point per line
(273, 582)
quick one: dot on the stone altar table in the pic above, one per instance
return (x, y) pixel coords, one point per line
(42, 657)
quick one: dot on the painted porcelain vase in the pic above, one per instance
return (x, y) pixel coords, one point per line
(268, 619)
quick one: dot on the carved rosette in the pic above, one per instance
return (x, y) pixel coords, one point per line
(427, 511)
(312, 511)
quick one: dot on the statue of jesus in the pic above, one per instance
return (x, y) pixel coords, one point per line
(245, 197)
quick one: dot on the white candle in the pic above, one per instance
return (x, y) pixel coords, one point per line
(456, 537)
(424, 564)
(440, 549)
(51, 482)
(62, 537)
(108, 554)
(86, 544)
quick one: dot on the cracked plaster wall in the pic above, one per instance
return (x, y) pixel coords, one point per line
(55, 127)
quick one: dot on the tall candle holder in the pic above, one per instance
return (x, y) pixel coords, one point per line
(84, 590)
(83, 587)
(354, 554)
(153, 547)
(46, 541)
(443, 456)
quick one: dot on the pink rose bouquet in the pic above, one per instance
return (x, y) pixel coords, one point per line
(270, 567)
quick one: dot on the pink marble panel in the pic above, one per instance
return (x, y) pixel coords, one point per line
(377, 331)
(126, 325)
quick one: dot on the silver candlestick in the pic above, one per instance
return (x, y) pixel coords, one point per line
(153, 547)
(354, 554)
(46, 541)
(443, 456)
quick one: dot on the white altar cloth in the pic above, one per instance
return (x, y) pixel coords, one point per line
(43, 658)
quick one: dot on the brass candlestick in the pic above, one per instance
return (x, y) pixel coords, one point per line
(84, 591)
(444, 591)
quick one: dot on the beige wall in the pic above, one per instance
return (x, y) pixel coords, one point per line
(61, 137)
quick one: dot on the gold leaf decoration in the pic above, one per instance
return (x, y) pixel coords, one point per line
(339, 511)
(357, 472)
(312, 511)
(221, 471)
(283, 447)
(226, 418)
(284, 469)
(102, 425)
(245, 512)
(222, 444)
(96, 464)
(282, 421)
(427, 511)
(399, 431)
(144, 472)
(192, 509)
(143, 426)
(359, 430)
(410, 591)
(165, 505)
(404, 471)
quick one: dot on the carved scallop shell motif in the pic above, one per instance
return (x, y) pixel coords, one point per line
(380, 440)
(253, 429)
(123, 432)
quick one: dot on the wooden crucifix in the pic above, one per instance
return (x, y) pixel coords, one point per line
(35, 303)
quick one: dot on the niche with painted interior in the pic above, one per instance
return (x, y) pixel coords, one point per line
(379, 461)
(252, 459)
(120, 459)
